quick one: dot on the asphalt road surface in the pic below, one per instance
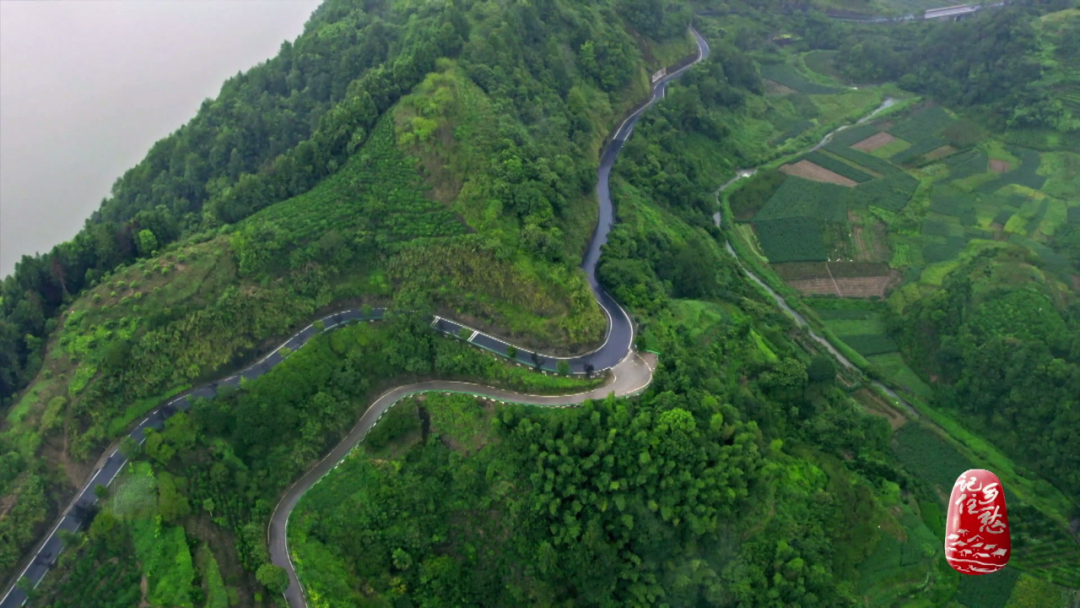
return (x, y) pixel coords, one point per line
(630, 372)
(630, 377)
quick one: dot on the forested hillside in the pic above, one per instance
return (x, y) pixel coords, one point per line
(1011, 66)
(452, 172)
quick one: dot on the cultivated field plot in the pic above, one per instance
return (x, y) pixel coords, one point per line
(841, 166)
(788, 76)
(862, 329)
(963, 133)
(922, 125)
(874, 142)
(901, 562)
(988, 590)
(808, 170)
(791, 239)
(861, 287)
(804, 198)
(841, 279)
(999, 166)
(966, 164)
(1025, 175)
(891, 193)
(795, 272)
(862, 159)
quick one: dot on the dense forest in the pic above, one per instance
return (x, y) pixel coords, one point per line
(441, 157)
(1008, 356)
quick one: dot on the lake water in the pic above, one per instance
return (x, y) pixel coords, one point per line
(87, 87)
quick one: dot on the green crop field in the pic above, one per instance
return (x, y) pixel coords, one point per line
(950, 202)
(798, 197)
(914, 152)
(791, 239)
(943, 248)
(941, 226)
(853, 135)
(987, 590)
(870, 344)
(790, 77)
(891, 149)
(1025, 175)
(837, 166)
(879, 165)
(892, 192)
(967, 164)
(922, 125)
(1031, 592)
(929, 457)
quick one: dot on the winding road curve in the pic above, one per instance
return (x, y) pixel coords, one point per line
(630, 373)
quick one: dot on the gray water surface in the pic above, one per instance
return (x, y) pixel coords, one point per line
(87, 87)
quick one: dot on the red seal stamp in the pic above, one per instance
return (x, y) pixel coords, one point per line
(977, 537)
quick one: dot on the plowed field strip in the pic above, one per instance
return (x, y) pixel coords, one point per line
(817, 173)
(861, 287)
(874, 142)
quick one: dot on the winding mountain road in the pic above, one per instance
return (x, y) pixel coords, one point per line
(630, 372)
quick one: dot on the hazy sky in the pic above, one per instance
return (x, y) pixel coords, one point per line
(87, 86)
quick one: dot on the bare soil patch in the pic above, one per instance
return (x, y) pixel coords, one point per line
(941, 152)
(857, 287)
(817, 173)
(999, 166)
(794, 271)
(874, 142)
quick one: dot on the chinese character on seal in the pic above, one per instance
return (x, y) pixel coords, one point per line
(977, 532)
